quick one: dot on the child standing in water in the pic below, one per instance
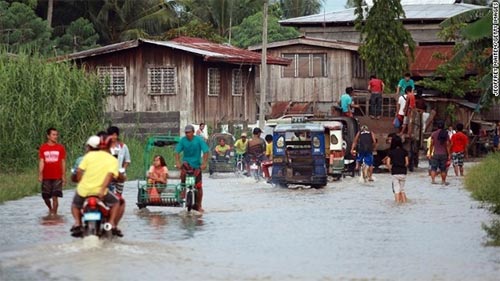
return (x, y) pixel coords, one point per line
(398, 162)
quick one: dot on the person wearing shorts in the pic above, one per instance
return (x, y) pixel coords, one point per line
(94, 174)
(398, 161)
(192, 146)
(440, 145)
(459, 143)
(52, 170)
(365, 142)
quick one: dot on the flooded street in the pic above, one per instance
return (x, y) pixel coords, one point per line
(253, 231)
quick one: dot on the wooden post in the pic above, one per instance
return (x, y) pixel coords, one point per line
(263, 69)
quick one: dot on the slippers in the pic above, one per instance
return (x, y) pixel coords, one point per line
(434, 182)
(445, 183)
(117, 232)
(76, 231)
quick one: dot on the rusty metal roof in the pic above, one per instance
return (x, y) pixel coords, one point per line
(413, 12)
(310, 41)
(425, 62)
(210, 51)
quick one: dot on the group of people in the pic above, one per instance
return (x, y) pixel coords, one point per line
(255, 148)
(406, 101)
(101, 172)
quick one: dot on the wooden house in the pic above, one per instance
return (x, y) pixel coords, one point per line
(319, 72)
(422, 19)
(159, 86)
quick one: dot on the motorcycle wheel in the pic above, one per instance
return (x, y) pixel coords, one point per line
(92, 228)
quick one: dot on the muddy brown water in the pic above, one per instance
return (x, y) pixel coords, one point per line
(253, 231)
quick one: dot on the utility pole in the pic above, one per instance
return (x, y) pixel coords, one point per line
(263, 69)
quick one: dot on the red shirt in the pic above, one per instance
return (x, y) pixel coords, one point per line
(459, 142)
(52, 156)
(375, 85)
(411, 100)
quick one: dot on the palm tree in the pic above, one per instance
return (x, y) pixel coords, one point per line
(299, 8)
(221, 14)
(118, 20)
(474, 40)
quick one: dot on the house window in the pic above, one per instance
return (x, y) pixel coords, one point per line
(358, 66)
(113, 77)
(305, 65)
(213, 81)
(162, 80)
(237, 82)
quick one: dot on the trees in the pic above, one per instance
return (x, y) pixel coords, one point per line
(472, 33)
(299, 8)
(119, 20)
(385, 42)
(249, 32)
(221, 14)
(20, 27)
(79, 36)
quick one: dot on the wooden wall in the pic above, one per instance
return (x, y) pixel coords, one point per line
(321, 89)
(420, 32)
(191, 97)
(225, 106)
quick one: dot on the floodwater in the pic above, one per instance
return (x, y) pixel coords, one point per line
(253, 231)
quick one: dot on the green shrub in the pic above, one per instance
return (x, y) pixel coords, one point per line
(139, 164)
(37, 95)
(483, 180)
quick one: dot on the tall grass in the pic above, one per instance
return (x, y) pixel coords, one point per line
(36, 95)
(141, 160)
(483, 181)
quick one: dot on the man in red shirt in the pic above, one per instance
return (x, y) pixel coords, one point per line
(376, 88)
(52, 170)
(459, 144)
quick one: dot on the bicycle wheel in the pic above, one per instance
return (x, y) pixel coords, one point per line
(189, 200)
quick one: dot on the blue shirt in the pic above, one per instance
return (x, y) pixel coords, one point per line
(192, 150)
(403, 84)
(345, 101)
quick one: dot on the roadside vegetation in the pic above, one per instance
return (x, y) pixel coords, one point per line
(482, 180)
(36, 95)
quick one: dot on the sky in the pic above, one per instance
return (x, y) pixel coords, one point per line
(334, 5)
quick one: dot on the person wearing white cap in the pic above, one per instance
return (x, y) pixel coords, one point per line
(191, 147)
(96, 170)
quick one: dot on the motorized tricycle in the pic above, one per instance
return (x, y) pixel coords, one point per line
(300, 154)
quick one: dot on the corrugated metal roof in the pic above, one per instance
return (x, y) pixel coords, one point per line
(317, 42)
(425, 63)
(412, 12)
(209, 50)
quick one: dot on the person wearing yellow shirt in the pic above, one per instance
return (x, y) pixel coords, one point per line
(96, 170)
(268, 163)
(240, 146)
(222, 150)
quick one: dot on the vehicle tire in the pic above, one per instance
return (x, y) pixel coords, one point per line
(338, 177)
(189, 200)
(92, 228)
(239, 166)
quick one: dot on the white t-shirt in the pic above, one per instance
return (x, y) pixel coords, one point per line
(402, 105)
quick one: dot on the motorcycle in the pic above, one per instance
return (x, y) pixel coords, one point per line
(95, 216)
